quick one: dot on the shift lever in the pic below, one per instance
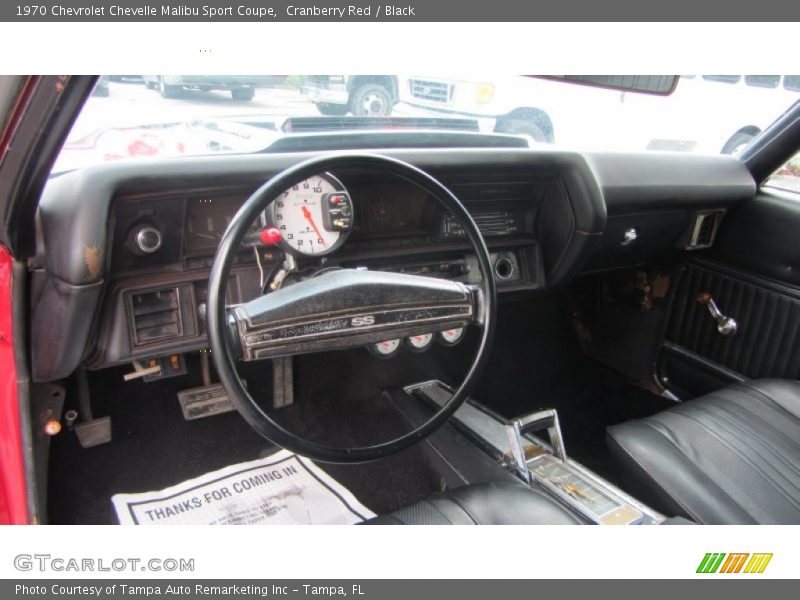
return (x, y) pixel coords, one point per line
(538, 421)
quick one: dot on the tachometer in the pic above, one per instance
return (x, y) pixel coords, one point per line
(314, 216)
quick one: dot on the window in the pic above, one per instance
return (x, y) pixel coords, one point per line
(788, 176)
(723, 78)
(143, 116)
(791, 82)
(765, 81)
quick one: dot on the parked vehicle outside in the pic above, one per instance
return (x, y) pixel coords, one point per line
(696, 124)
(241, 87)
(361, 95)
(496, 102)
(688, 120)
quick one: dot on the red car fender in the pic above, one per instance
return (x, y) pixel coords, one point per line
(13, 491)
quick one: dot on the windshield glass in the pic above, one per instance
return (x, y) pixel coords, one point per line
(132, 116)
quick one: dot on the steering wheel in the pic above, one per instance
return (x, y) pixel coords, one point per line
(344, 308)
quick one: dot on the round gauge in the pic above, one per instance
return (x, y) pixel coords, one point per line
(386, 348)
(419, 343)
(314, 216)
(381, 214)
(451, 337)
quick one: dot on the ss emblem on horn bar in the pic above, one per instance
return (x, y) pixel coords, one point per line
(361, 321)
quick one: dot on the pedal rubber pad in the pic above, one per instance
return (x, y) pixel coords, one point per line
(94, 432)
(207, 401)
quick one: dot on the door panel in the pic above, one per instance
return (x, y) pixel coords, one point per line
(752, 273)
(766, 343)
(763, 237)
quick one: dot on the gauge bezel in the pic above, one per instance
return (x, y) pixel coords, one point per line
(409, 344)
(375, 352)
(445, 342)
(269, 215)
(140, 237)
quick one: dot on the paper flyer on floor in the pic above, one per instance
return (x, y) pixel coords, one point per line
(281, 489)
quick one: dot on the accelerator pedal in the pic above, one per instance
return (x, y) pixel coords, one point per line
(205, 401)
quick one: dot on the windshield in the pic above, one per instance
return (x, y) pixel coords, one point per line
(133, 116)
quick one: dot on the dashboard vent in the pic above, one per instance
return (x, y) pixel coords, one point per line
(499, 222)
(705, 229)
(156, 315)
(490, 223)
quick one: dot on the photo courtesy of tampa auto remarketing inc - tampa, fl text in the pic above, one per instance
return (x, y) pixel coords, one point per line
(453, 299)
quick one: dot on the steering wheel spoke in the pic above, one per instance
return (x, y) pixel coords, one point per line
(348, 308)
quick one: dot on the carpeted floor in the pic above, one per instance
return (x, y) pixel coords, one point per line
(338, 401)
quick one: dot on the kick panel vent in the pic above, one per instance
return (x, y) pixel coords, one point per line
(155, 315)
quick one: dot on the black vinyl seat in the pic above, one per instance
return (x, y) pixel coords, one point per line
(730, 457)
(482, 504)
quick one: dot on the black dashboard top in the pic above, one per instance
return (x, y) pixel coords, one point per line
(76, 207)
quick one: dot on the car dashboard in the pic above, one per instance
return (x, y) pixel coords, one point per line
(125, 250)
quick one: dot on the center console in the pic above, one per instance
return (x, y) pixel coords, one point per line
(541, 463)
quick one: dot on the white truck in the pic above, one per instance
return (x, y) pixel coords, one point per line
(360, 95)
(495, 103)
(706, 114)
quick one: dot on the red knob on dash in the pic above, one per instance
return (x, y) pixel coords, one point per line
(270, 236)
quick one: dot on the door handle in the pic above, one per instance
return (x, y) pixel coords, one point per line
(725, 325)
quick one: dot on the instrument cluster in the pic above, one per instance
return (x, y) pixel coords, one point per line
(315, 216)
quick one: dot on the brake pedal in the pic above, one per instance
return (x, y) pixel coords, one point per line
(94, 432)
(90, 431)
